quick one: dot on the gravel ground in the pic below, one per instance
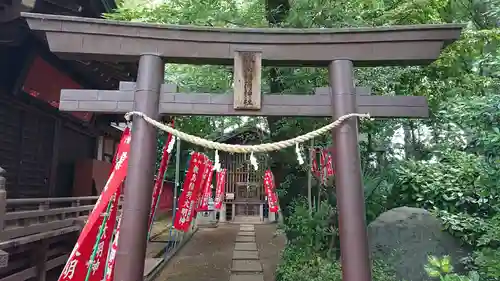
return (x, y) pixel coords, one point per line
(270, 248)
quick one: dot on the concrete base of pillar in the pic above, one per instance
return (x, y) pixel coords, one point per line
(206, 219)
(272, 217)
(261, 212)
(280, 217)
(233, 212)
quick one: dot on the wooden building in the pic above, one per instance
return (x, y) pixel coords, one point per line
(245, 198)
(48, 153)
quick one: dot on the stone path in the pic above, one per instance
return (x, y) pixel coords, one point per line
(246, 264)
(229, 252)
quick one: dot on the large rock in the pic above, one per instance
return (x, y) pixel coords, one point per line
(404, 237)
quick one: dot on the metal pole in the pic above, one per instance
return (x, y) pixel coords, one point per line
(348, 181)
(320, 186)
(309, 178)
(3, 201)
(134, 227)
(174, 204)
(177, 176)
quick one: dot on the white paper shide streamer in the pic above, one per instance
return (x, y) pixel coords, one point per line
(217, 161)
(253, 161)
(171, 144)
(299, 154)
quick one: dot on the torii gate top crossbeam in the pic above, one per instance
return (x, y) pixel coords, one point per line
(107, 40)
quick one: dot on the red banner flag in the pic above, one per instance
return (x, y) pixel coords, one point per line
(322, 167)
(219, 191)
(329, 165)
(206, 171)
(190, 190)
(314, 165)
(110, 266)
(207, 190)
(159, 179)
(79, 257)
(156, 195)
(110, 269)
(272, 199)
(105, 241)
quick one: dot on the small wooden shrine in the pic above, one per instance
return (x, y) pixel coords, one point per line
(244, 192)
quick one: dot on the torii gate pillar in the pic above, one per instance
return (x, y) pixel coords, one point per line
(139, 183)
(348, 178)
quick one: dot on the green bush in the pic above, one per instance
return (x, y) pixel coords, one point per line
(487, 262)
(457, 182)
(314, 232)
(298, 264)
(312, 249)
(442, 269)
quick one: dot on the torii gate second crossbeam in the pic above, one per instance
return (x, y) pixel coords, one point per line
(316, 104)
(248, 50)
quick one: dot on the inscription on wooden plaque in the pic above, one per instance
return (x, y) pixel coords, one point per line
(247, 77)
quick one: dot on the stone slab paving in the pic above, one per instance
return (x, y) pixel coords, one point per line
(211, 255)
(247, 225)
(245, 239)
(251, 246)
(246, 263)
(150, 265)
(246, 266)
(247, 228)
(247, 277)
(245, 255)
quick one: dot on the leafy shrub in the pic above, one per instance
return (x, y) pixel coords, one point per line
(313, 233)
(487, 261)
(462, 189)
(468, 228)
(297, 264)
(312, 249)
(442, 269)
(483, 235)
(456, 182)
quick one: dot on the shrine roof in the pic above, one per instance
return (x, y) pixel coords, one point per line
(227, 137)
(109, 40)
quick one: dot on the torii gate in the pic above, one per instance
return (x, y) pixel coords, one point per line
(152, 45)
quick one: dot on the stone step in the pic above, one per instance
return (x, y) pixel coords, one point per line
(245, 255)
(246, 266)
(247, 220)
(246, 233)
(245, 246)
(246, 277)
(150, 265)
(247, 228)
(245, 238)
